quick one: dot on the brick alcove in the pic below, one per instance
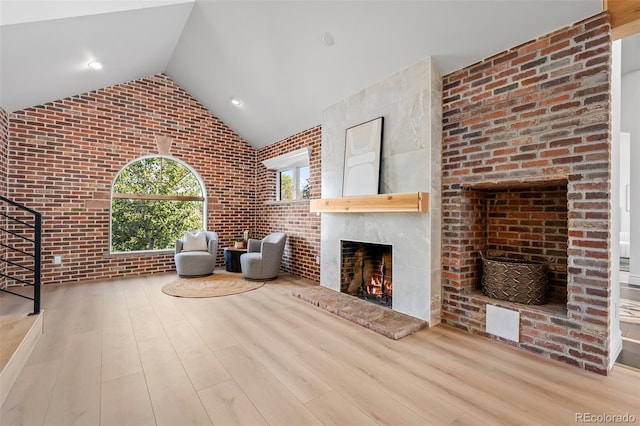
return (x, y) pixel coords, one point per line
(525, 220)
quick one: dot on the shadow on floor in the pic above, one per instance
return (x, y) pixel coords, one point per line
(630, 355)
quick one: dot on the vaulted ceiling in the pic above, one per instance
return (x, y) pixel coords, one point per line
(284, 60)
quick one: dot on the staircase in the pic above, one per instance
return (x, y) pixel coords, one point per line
(20, 269)
(21, 242)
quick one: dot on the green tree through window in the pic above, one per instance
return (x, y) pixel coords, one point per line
(294, 183)
(154, 200)
(286, 185)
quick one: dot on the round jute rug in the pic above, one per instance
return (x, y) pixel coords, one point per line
(218, 284)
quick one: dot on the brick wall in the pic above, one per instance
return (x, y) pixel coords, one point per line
(4, 159)
(531, 224)
(65, 155)
(534, 115)
(4, 150)
(292, 217)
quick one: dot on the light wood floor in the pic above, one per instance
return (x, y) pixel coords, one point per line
(15, 322)
(123, 353)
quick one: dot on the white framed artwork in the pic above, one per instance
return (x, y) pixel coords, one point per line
(363, 144)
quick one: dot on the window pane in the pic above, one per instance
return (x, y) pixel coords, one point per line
(304, 189)
(139, 223)
(286, 185)
(152, 224)
(157, 175)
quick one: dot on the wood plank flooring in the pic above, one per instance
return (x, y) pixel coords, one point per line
(123, 353)
(15, 323)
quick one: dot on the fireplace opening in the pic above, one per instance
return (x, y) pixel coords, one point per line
(366, 271)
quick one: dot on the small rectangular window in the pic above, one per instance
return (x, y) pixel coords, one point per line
(293, 174)
(304, 186)
(287, 185)
(293, 184)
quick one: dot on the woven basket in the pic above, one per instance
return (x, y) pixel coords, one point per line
(514, 280)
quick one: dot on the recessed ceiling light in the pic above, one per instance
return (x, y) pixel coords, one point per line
(96, 65)
(328, 39)
(236, 101)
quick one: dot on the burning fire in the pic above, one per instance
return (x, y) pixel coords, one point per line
(375, 286)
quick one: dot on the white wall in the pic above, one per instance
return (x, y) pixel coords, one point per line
(615, 341)
(625, 181)
(630, 122)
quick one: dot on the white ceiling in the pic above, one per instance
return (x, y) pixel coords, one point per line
(267, 53)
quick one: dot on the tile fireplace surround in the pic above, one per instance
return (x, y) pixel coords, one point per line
(410, 102)
(535, 116)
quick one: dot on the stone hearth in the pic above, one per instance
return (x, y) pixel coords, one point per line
(391, 324)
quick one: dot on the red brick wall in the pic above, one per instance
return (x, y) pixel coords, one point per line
(292, 217)
(4, 150)
(538, 112)
(531, 224)
(4, 160)
(65, 155)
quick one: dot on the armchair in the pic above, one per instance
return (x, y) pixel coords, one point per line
(263, 257)
(195, 257)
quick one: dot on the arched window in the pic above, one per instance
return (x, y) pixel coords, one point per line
(153, 201)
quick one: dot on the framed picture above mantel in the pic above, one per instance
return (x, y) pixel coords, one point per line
(363, 149)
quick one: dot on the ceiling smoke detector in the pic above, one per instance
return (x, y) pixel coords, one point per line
(328, 39)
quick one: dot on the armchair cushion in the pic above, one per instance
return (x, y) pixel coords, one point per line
(193, 242)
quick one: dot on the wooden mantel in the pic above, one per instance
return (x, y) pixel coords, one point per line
(380, 203)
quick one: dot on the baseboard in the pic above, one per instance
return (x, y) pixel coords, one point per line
(615, 350)
(10, 372)
(634, 279)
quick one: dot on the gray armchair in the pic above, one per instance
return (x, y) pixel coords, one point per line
(197, 263)
(263, 257)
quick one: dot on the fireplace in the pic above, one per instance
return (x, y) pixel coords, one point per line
(366, 271)
(410, 162)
